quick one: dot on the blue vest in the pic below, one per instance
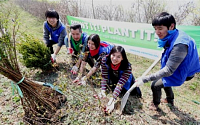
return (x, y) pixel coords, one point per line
(127, 85)
(55, 33)
(106, 50)
(190, 64)
(83, 40)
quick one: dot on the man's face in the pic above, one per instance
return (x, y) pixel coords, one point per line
(76, 34)
(52, 21)
(161, 31)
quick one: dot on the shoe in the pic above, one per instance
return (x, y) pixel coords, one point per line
(153, 107)
(165, 101)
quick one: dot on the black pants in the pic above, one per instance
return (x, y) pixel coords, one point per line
(135, 92)
(50, 45)
(156, 87)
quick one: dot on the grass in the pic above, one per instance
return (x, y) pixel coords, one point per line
(82, 108)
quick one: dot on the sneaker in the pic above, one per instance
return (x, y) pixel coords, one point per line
(153, 107)
(165, 101)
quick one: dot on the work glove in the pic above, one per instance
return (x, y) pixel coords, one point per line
(83, 81)
(69, 50)
(110, 106)
(74, 70)
(139, 82)
(53, 58)
(102, 94)
(77, 79)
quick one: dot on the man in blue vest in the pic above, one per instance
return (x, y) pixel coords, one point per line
(179, 61)
(77, 42)
(54, 32)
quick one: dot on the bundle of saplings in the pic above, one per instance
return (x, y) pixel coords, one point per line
(41, 104)
(34, 52)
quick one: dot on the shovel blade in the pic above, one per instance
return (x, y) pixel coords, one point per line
(123, 101)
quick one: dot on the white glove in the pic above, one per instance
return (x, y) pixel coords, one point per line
(111, 105)
(83, 80)
(102, 94)
(74, 70)
(76, 80)
(53, 56)
(139, 82)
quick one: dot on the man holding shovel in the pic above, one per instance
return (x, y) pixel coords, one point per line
(179, 61)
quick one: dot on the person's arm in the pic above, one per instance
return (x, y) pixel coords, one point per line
(96, 65)
(104, 73)
(83, 54)
(60, 41)
(92, 70)
(45, 34)
(124, 78)
(177, 55)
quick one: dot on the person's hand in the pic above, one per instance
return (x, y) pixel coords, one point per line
(76, 80)
(102, 94)
(74, 70)
(83, 81)
(53, 56)
(139, 82)
(69, 50)
(110, 106)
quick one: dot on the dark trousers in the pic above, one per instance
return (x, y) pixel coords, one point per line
(135, 92)
(50, 45)
(156, 87)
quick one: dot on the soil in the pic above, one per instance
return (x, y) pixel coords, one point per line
(83, 108)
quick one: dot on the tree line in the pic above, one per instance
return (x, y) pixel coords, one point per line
(141, 11)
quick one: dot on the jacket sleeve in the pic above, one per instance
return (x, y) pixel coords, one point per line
(104, 72)
(45, 34)
(124, 78)
(62, 37)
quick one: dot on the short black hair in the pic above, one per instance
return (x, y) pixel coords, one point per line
(76, 26)
(96, 39)
(52, 14)
(164, 19)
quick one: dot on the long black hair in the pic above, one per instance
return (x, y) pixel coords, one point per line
(164, 19)
(124, 63)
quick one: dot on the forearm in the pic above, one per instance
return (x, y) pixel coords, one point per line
(57, 50)
(164, 72)
(83, 64)
(78, 62)
(91, 72)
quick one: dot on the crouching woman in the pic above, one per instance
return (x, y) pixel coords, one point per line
(116, 76)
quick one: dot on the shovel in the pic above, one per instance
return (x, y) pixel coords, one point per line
(49, 85)
(125, 97)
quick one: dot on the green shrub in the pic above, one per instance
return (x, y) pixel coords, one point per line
(34, 52)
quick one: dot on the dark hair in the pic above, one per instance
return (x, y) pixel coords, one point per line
(96, 39)
(124, 63)
(164, 19)
(52, 14)
(75, 26)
